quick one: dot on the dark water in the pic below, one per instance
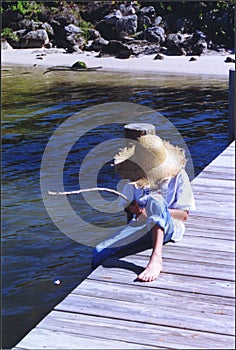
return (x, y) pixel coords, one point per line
(35, 252)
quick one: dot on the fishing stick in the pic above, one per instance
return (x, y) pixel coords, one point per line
(89, 190)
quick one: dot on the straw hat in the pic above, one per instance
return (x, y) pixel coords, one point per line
(149, 161)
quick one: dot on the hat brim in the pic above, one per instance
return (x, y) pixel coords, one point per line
(137, 162)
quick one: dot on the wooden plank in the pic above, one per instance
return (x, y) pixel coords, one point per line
(213, 189)
(209, 200)
(217, 233)
(214, 197)
(159, 314)
(216, 183)
(53, 339)
(210, 213)
(172, 338)
(195, 220)
(176, 266)
(214, 174)
(221, 211)
(155, 296)
(176, 282)
(204, 255)
(209, 243)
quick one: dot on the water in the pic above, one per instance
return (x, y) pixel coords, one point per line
(34, 105)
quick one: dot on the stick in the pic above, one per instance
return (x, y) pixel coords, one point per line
(89, 190)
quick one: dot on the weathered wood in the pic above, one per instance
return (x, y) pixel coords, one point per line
(172, 338)
(182, 253)
(189, 306)
(209, 243)
(219, 183)
(135, 130)
(56, 339)
(212, 189)
(214, 197)
(197, 231)
(188, 268)
(161, 314)
(168, 281)
(228, 174)
(124, 292)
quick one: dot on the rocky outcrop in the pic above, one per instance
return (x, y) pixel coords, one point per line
(120, 29)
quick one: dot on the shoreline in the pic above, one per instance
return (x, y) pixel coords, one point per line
(208, 65)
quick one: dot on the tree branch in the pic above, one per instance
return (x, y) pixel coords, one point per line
(89, 190)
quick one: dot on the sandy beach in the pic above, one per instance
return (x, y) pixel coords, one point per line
(213, 65)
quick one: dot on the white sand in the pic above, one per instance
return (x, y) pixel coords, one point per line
(204, 65)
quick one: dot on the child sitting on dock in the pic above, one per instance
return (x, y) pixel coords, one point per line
(160, 198)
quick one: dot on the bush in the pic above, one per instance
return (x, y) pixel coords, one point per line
(7, 33)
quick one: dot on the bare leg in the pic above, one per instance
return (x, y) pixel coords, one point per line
(154, 266)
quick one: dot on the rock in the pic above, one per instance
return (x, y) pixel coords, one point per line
(37, 38)
(173, 40)
(33, 39)
(196, 44)
(112, 18)
(107, 31)
(127, 9)
(48, 45)
(115, 28)
(147, 18)
(142, 47)
(26, 24)
(229, 60)
(95, 12)
(115, 48)
(74, 40)
(159, 57)
(154, 34)
(69, 36)
(192, 59)
(199, 48)
(5, 45)
(96, 45)
(143, 22)
(157, 21)
(174, 44)
(127, 25)
(124, 54)
(94, 34)
(148, 11)
(64, 19)
(72, 29)
(49, 29)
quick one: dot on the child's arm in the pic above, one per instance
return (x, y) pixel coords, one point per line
(179, 214)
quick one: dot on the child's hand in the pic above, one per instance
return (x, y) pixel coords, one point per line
(143, 215)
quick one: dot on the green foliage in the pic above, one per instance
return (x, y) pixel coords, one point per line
(20, 6)
(31, 8)
(85, 27)
(79, 65)
(7, 33)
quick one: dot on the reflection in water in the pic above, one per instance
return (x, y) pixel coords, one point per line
(35, 252)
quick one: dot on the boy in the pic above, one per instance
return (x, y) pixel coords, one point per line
(160, 198)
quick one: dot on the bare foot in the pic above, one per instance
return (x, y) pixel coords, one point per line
(152, 270)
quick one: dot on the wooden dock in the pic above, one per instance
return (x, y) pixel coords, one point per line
(190, 306)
